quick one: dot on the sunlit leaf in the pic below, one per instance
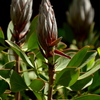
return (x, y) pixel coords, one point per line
(78, 58)
(88, 57)
(90, 63)
(9, 30)
(90, 72)
(31, 38)
(25, 73)
(98, 49)
(17, 49)
(11, 56)
(62, 62)
(33, 27)
(31, 43)
(2, 37)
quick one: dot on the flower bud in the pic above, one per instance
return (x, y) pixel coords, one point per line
(80, 17)
(47, 27)
(21, 12)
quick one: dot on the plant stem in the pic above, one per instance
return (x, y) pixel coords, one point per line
(17, 96)
(51, 77)
(17, 69)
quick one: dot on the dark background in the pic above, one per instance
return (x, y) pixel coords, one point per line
(59, 6)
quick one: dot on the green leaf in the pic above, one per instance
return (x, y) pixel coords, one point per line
(2, 37)
(33, 27)
(9, 65)
(17, 49)
(98, 49)
(25, 73)
(31, 38)
(88, 57)
(96, 82)
(90, 72)
(3, 86)
(5, 73)
(89, 97)
(62, 62)
(11, 54)
(31, 43)
(9, 30)
(39, 96)
(3, 48)
(37, 85)
(78, 58)
(81, 84)
(17, 82)
(61, 46)
(67, 76)
(90, 64)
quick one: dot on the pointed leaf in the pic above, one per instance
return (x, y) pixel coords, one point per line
(31, 43)
(31, 38)
(96, 82)
(11, 56)
(78, 58)
(9, 30)
(67, 76)
(88, 57)
(17, 49)
(37, 85)
(33, 27)
(9, 65)
(5, 73)
(90, 72)
(98, 49)
(25, 73)
(2, 37)
(3, 86)
(17, 83)
(80, 84)
(61, 63)
(3, 48)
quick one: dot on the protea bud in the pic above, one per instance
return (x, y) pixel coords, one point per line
(21, 12)
(47, 30)
(80, 17)
(47, 27)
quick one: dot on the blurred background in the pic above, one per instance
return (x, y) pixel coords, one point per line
(60, 7)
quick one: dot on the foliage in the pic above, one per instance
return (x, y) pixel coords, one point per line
(75, 79)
